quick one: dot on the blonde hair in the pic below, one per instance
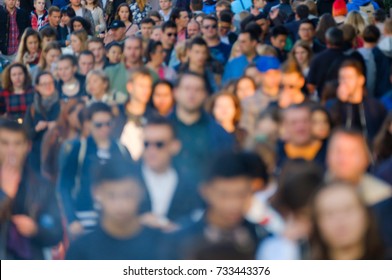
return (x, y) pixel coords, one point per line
(83, 37)
(355, 19)
(266, 50)
(233, 50)
(181, 50)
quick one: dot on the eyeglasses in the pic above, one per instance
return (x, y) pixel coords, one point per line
(102, 124)
(210, 26)
(172, 34)
(157, 144)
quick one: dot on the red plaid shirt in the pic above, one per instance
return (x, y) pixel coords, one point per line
(13, 41)
(15, 105)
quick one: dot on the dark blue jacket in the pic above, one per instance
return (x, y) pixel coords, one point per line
(383, 211)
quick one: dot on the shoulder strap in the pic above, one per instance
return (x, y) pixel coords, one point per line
(81, 157)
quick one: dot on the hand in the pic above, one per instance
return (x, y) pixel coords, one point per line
(10, 177)
(75, 229)
(51, 124)
(25, 225)
(152, 220)
(41, 125)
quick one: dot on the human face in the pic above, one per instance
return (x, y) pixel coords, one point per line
(183, 20)
(75, 3)
(191, 94)
(76, 44)
(271, 79)
(224, 109)
(118, 34)
(114, 55)
(65, 70)
(347, 157)
(349, 84)
(101, 126)
(39, 5)
(224, 28)
(264, 25)
(86, 64)
(17, 77)
(47, 40)
(65, 19)
(10, 4)
(198, 55)
(140, 89)
(52, 56)
(54, 19)
(298, 126)
(169, 37)
(133, 51)
(13, 147)
(301, 55)
(165, 5)
(159, 147)
(123, 14)
(320, 125)
(259, 4)
(291, 89)
(96, 86)
(158, 56)
(98, 50)
(246, 45)
(193, 29)
(306, 32)
(46, 86)
(163, 99)
(219, 9)
(341, 219)
(77, 26)
(146, 30)
(119, 200)
(210, 29)
(245, 88)
(279, 41)
(156, 34)
(227, 199)
(267, 127)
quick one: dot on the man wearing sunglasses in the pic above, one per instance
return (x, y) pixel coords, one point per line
(169, 39)
(169, 196)
(79, 158)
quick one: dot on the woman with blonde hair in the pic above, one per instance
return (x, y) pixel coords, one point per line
(29, 50)
(355, 19)
(79, 42)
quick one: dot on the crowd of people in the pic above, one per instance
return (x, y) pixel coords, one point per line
(195, 129)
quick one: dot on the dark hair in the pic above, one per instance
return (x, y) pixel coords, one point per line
(383, 140)
(380, 15)
(155, 14)
(156, 84)
(68, 11)
(199, 41)
(224, 3)
(371, 34)
(160, 121)
(96, 40)
(254, 31)
(6, 76)
(209, 17)
(226, 16)
(373, 245)
(192, 74)
(353, 63)
(147, 20)
(98, 107)
(53, 9)
(237, 105)
(248, 19)
(307, 21)
(168, 24)
(279, 30)
(334, 37)
(176, 14)
(86, 24)
(71, 58)
(256, 166)
(114, 170)
(15, 127)
(48, 31)
(113, 44)
(117, 17)
(151, 48)
(318, 107)
(196, 5)
(349, 34)
(302, 12)
(43, 73)
(326, 21)
(86, 53)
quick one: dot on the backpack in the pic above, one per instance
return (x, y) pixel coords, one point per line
(369, 10)
(209, 7)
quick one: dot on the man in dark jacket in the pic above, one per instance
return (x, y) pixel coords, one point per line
(29, 213)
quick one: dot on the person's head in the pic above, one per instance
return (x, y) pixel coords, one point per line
(117, 190)
(160, 144)
(156, 34)
(209, 27)
(278, 37)
(123, 13)
(190, 92)
(227, 189)
(156, 17)
(349, 35)
(380, 16)
(165, 5)
(382, 148)
(67, 66)
(162, 98)
(146, 27)
(269, 72)
(193, 28)
(30, 43)
(247, 43)
(312, 7)
(196, 5)
(182, 51)
(133, 50)
(48, 34)
(155, 52)
(302, 12)
(39, 6)
(79, 23)
(68, 119)
(371, 34)
(139, 85)
(297, 125)
(291, 84)
(222, 5)
(50, 55)
(225, 23)
(79, 41)
(321, 123)
(334, 38)
(100, 117)
(348, 155)
(356, 20)
(97, 47)
(199, 18)
(94, 3)
(114, 52)
(10, 4)
(67, 13)
(169, 34)
(342, 222)
(14, 143)
(16, 76)
(267, 127)
(54, 16)
(75, 3)
(198, 52)
(245, 87)
(351, 82)
(306, 31)
(225, 108)
(86, 62)
(302, 53)
(259, 4)
(97, 83)
(45, 84)
(180, 17)
(326, 21)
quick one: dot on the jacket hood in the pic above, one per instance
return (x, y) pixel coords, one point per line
(385, 45)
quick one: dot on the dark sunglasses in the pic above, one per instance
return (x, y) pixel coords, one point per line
(210, 26)
(157, 144)
(102, 124)
(172, 34)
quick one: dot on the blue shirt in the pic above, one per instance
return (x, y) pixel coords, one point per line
(235, 68)
(221, 52)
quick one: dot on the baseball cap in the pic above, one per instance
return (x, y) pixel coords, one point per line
(265, 63)
(116, 24)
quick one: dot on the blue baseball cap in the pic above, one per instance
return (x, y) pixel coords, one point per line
(265, 63)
